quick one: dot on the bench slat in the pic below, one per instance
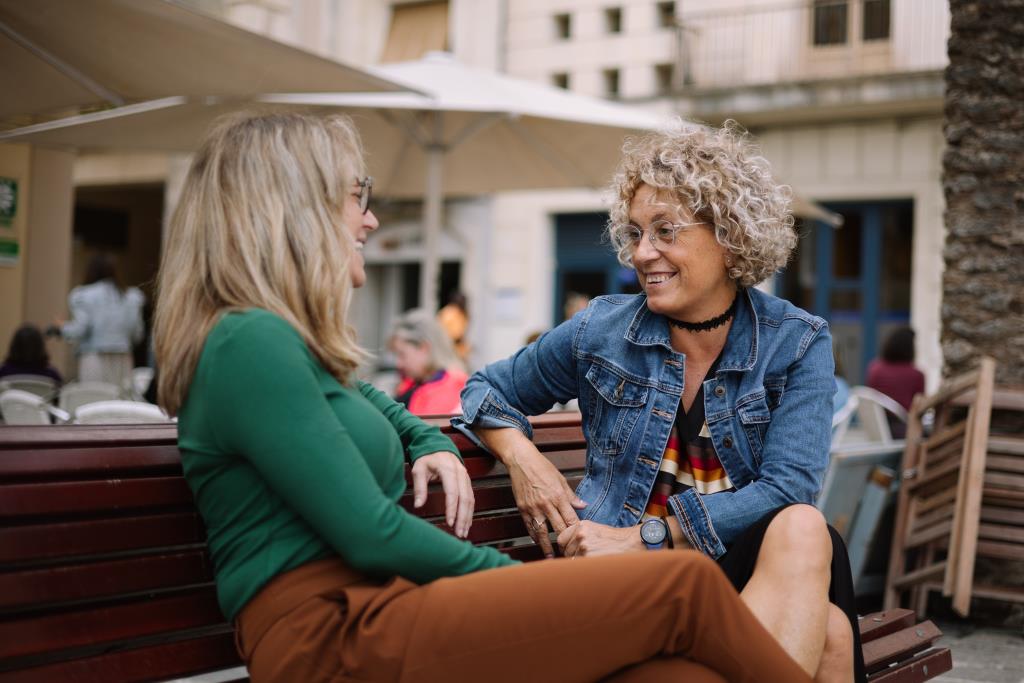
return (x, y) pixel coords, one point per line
(67, 463)
(489, 497)
(39, 587)
(31, 500)
(918, 669)
(182, 658)
(881, 652)
(880, 624)
(52, 633)
(74, 539)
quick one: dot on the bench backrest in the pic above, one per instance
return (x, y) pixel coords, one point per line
(103, 565)
(104, 574)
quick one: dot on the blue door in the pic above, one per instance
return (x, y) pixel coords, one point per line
(585, 265)
(857, 277)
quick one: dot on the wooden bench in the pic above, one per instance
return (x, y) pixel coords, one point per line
(104, 574)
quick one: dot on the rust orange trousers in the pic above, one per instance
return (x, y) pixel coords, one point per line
(658, 616)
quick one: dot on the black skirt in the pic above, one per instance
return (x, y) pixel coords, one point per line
(738, 564)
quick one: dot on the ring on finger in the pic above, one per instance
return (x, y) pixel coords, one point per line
(538, 522)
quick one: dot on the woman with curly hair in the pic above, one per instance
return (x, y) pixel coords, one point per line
(706, 403)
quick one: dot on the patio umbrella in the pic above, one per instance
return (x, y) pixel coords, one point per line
(468, 131)
(58, 54)
(471, 131)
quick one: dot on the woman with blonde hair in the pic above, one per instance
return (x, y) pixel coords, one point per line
(297, 468)
(431, 374)
(706, 402)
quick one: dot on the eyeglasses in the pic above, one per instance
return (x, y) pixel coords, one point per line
(662, 234)
(365, 192)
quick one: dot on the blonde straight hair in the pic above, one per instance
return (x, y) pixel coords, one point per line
(259, 225)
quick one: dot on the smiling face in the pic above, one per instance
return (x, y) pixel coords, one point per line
(359, 225)
(687, 280)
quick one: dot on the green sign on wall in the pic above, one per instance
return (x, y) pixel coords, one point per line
(9, 250)
(8, 201)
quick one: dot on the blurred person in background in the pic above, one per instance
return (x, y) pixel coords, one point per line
(454, 319)
(894, 374)
(431, 374)
(106, 322)
(27, 355)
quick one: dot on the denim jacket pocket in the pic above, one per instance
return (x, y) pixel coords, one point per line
(754, 416)
(615, 405)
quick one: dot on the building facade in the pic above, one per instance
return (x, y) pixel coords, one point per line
(845, 97)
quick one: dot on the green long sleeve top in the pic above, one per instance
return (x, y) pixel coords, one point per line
(287, 466)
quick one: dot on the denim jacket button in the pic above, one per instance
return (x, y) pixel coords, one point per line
(719, 391)
(727, 442)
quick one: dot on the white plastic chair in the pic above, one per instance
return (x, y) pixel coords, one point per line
(140, 380)
(73, 395)
(872, 409)
(841, 420)
(40, 385)
(120, 412)
(25, 408)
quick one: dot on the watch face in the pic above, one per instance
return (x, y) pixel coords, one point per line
(653, 532)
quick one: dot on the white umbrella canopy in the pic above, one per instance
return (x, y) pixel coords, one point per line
(467, 131)
(470, 132)
(58, 54)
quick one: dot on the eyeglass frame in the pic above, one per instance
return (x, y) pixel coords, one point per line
(633, 229)
(365, 193)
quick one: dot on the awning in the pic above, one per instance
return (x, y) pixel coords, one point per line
(61, 54)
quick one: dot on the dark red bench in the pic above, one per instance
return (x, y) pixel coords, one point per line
(104, 574)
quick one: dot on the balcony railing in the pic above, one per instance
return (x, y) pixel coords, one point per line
(809, 40)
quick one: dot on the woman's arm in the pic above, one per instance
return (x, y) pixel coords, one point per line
(78, 326)
(794, 459)
(418, 437)
(270, 408)
(529, 382)
(495, 404)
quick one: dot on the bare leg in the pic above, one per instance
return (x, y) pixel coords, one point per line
(837, 659)
(788, 591)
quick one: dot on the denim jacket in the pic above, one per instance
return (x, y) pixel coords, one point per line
(768, 408)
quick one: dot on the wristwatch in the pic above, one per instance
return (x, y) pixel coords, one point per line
(653, 533)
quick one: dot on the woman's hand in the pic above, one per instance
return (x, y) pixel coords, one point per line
(588, 539)
(541, 492)
(458, 490)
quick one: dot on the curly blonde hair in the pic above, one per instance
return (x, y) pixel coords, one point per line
(721, 177)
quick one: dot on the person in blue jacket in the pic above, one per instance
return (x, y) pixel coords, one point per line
(706, 403)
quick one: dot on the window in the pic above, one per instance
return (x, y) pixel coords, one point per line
(611, 82)
(613, 20)
(415, 30)
(663, 78)
(560, 80)
(876, 19)
(563, 26)
(830, 22)
(667, 14)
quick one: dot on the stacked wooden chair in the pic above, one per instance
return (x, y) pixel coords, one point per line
(962, 496)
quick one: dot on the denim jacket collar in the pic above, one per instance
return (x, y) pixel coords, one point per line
(740, 354)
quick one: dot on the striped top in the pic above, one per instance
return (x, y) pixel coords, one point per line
(689, 461)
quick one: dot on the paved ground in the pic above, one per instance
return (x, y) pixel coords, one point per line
(984, 655)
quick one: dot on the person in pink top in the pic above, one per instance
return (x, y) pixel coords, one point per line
(432, 375)
(894, 373)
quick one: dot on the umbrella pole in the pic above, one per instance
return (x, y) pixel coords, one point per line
(431, 266)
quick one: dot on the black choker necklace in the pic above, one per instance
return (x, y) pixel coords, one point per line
(705, 325)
